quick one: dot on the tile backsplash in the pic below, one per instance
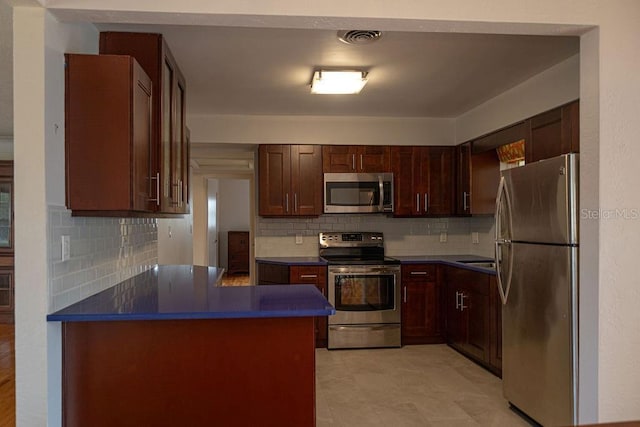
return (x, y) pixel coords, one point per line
(403, 236)
(104, 251)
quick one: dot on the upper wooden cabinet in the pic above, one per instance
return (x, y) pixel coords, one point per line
(478, 179)
(553, 133)
(169, 156)
(108, 136)
(290, 180)
(355, 158)
(423, 180)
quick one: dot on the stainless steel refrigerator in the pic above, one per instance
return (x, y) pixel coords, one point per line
(537, 265)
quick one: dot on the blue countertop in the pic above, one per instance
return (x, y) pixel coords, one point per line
(192, 292)
(452, 260)
(292, 260)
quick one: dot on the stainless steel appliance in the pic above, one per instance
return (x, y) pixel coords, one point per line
(364, 288)
(537, 265)
(358, 192)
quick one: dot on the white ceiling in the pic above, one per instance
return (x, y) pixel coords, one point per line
(240, 70)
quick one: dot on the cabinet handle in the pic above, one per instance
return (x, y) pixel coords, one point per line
(295, 202)
(462, 297)
(405, 294)
(418, 202)
(353, 161)
(308, 276)
(157, 178)
(426, 202)
(465, 205)
(419, 273)
(286, 202)
(361, 163)
(457, 300)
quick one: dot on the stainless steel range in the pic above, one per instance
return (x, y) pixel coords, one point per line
(364, 288)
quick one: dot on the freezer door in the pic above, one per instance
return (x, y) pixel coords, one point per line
(543, 200)
(539, 339)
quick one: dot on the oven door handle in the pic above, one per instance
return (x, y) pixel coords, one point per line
(377, 270)
(377, 327)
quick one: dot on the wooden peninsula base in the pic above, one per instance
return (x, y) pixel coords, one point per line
(186, 372)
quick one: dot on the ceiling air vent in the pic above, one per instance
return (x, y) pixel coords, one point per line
(359, 36)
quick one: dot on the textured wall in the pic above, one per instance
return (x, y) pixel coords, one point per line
(104, 251)
(403, 236)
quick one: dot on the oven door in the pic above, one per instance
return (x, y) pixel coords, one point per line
(364, 294)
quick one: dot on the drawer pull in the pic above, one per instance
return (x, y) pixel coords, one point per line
(308, 276)
(419, 273)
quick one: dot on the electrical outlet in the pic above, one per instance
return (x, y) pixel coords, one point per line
(66, 248)
(443, 237)
(298, 239)
(474, 237)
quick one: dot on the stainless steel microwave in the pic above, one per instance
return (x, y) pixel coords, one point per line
(358, 192)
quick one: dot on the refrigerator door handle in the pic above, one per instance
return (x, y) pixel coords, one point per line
(502, 289)
(504, 292)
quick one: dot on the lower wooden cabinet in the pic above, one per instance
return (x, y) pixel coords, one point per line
(238, 252)
(473, 324)
(278, 274)
(313, 275)
(421, 318)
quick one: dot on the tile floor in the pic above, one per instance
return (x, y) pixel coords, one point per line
(426, 385)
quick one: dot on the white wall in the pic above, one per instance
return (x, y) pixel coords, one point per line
(175, 240)
(320, 130)
(6, 148)
(233, 211)
(555, 86)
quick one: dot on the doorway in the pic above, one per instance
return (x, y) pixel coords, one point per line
(229, 228)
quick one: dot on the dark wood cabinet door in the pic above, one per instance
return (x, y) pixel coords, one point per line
(272, 274)
(373, 158)
(339, 158)
(107, 145)
(404, 195)
(275, 180)
(421, 301)
(313, 275)
(438, 199)
(475, 309)
(455, 324)
(485, 179)
(463, 179)
(553, 133)
(423, 180)
(469, 313)
(238, 252)
(356, 158)
(290, 180)
(306, 179)
(168, 125)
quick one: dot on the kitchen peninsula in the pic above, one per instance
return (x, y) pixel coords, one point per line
(171, 347)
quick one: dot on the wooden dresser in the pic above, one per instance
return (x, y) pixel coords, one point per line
(238, 252)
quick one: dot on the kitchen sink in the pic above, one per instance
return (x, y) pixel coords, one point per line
(482, 264)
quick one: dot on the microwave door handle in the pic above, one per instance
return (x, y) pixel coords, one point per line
(381, 197)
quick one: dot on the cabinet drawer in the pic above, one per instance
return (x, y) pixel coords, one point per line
(419, 272)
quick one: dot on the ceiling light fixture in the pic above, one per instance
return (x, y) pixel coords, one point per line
(338, 82)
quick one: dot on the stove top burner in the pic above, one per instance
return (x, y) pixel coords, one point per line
(353, 248)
